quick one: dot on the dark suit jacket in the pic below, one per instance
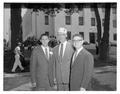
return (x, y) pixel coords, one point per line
(62, 68)
(81, 70)
(41, 69)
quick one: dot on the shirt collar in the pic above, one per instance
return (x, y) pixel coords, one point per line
(64, 43)
(44, 47)
(78, 51)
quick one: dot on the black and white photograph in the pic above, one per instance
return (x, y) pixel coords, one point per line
(60, 46)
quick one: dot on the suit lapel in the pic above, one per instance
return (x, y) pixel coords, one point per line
(43, 53)
(66, 51)
(80, 53)
(57, 50)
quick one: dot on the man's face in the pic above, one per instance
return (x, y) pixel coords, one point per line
(45, 40)
(61, 37)
(77, 42)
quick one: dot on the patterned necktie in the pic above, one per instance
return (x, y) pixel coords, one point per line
(61, 51)
(46, 53)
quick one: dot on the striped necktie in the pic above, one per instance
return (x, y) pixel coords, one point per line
(61, 51)
(46, 53)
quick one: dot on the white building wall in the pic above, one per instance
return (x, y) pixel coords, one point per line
(59, 21)
(112, 29)
(75, 27)
(7, 28)
(41, 27)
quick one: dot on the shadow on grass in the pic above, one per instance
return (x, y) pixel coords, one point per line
(100, 63)
(9, 61)
(97, 86)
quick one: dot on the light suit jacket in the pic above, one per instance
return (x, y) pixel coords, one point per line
(62, 68)
(41, 68)
(81, 70)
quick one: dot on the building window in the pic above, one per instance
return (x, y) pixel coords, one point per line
(46, 20)
(114, 23)
(114, 37)
(82, 33)
(81, 21)
(114, 10)
(47, 33)
(92, 37)
(68, 20)
(92, 21)
(69, 35)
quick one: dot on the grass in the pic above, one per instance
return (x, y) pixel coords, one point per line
(9, 60)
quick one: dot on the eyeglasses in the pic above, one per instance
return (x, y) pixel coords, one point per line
(77, 40)
(61, 34)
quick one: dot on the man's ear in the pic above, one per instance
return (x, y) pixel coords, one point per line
(40, 40)
(83, 41)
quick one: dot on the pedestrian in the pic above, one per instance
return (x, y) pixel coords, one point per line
(41, 66)
(17, 58)
(62, 57)
(81, 66)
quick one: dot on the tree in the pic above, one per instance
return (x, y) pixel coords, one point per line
(15, 24)
(103, 42)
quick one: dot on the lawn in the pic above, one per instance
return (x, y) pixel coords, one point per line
(9, 59)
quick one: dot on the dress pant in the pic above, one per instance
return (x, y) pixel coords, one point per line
(43, 89)
(63, 87)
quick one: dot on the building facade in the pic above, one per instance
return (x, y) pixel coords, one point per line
(83, 22)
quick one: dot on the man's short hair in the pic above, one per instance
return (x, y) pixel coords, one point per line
(44, 34)
(79, 35)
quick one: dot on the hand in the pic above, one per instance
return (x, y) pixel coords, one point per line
(55, 87)
(82, 89)
(34, 84)
(55, 80)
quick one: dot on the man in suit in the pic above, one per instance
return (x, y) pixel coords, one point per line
(41, 66)
(81, 66)
(62, 56)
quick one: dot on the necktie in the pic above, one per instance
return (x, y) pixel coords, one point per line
(74, 57)
(61, 51)
(46, 53)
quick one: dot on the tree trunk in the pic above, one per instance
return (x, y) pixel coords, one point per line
(15, 24)
(98, 25)
(104, 46)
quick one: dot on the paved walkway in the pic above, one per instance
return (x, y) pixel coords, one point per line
(104, 78)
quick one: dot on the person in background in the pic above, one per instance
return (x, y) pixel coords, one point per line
(41, 66)
(81, 66)
(17, 58)
(97, 48)
(62, 57)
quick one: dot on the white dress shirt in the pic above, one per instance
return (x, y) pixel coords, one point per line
(44, 50)
(64, 46)
(76, 53)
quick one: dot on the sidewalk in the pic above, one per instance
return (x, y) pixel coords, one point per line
(104, 79)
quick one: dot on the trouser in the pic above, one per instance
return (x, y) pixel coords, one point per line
(16, 64)
(63, 87)
(43, 89)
